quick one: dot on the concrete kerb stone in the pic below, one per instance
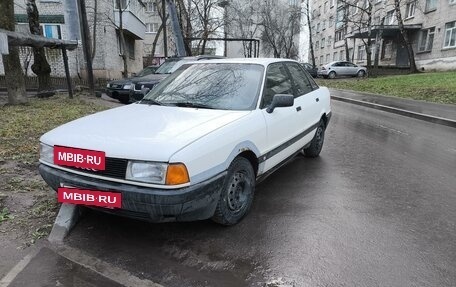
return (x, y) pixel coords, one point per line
(419, 116)
(64, 222)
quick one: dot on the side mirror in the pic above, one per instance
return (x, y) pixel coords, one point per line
(145, 91)
(280, 100)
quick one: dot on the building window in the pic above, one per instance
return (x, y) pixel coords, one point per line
(321, 60)
(123, 4)
(450, 35)
(341, 55)
(387, 51)
(361, 53)
(151, 7)
(410, 10)
(340, 18)
(317, 44)
(322, 43)
(318, 27)
(151, 28)
(354, 8)
(327, 58)
(339, 35)
(335, 56)
(331, 21)
(426, 39)
(331, 3)
(390, 17)
(52, 31)
(129, 43)
(430, 5)
(350, 53)
(325, 7)
(329, 41)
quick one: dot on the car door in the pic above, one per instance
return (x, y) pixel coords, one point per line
(307, 98)
(338, 68)
(283, 124)
(352, 69)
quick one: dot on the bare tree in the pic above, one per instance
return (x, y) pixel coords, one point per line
(281, 25)
(206, 19)
(405, 36)
(244, 22)
(307, 11)
(40, 65)
(15, 83)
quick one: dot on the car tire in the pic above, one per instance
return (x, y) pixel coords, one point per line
(332, 75)
(316, 145)
(237, 194)
(361, 74)
(124, 100)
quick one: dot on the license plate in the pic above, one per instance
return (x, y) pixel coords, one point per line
(80, 158)
(89, 197)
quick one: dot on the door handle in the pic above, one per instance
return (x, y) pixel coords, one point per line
(317, 99)
(298, 108)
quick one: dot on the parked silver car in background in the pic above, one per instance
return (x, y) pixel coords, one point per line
(340, 68)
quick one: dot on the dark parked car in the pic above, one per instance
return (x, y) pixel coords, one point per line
(311, 69)
(120, 89)
(141, 86)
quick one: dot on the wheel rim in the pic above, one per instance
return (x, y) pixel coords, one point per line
(332, 75)
(319, 137)
(361, 74)
(238, 190)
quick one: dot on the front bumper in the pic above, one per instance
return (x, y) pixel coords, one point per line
(196, 202)
(136, 96)
(117, 93)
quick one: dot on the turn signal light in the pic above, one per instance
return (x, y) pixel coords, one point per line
(177, 174)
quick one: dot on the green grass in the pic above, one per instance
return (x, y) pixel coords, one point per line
(21, 126)
(432, 87)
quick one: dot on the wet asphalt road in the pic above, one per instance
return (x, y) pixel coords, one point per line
(378, 208)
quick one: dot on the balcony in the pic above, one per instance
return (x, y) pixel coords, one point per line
(131, 24)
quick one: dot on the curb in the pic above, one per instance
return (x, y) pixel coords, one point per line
(415, 115)
(64, 222)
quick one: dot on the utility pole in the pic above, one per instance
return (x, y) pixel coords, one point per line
(165, 36)
(86, 42)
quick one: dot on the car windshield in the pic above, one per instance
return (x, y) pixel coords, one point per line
(211, 86)
(146, 71)
(166, 67)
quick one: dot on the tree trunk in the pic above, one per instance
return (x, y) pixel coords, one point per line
(15, 83)
(40, 65)
(405, 38)
(154, 44)
(94, 31)
(312, 55)
(122, 41)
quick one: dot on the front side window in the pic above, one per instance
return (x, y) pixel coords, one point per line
(450, 35)
(277, 82)
(426, 40)
(210, 86)
(300, 80)
(361, 52)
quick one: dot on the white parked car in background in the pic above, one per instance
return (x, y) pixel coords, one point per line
(195, 146)
(340, 68)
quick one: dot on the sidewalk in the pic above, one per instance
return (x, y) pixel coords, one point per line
(444, 114)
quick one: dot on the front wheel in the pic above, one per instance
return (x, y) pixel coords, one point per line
(332, 75)
(361, 74)
(314, 149)
(236, 196)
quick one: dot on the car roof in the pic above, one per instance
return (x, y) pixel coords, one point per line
(260, 61)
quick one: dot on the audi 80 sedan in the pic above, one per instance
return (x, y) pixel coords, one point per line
(195, 146)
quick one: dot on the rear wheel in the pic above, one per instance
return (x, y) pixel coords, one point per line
(361, 74)
(332, 75)
(314, 149)
(237, 195)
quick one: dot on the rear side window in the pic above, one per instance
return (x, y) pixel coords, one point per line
(300, 79)
(277, 82)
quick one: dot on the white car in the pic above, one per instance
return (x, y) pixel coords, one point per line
(195, 146)
(340, 68)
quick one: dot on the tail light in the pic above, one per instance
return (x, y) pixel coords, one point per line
(323, 68)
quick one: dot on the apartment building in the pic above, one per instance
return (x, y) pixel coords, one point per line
(340, 31)
(59, 19)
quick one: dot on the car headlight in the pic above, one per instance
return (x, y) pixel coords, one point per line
(127, 87)
(159, 173)
(46, 153)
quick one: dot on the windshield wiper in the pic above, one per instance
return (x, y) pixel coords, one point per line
(191, 105)
(150, 102)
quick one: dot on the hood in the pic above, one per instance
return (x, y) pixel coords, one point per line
(139, 131)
